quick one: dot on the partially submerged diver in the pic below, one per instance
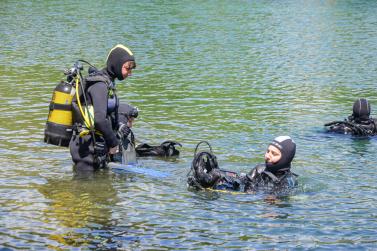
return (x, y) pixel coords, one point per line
(274, 176)
(126, 117)
(128, 150)
(358, 124)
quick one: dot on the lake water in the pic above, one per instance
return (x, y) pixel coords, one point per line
(234, 73)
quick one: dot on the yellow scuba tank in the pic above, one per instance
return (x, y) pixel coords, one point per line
(58, 130)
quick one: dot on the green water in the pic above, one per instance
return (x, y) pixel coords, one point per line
(235, 73)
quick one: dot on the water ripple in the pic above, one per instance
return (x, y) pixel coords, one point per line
(236, 74)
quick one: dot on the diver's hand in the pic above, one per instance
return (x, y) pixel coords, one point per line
(124, 131)
(114, 150)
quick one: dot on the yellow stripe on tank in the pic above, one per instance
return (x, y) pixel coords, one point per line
(62, 98)
(60, 117)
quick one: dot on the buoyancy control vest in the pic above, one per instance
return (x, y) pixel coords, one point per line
(65, 108)
(166, 149)
(205, 171)
(261, 179)
(350, 126)
(83, 118)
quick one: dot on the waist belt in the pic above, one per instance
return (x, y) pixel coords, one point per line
(83, 130)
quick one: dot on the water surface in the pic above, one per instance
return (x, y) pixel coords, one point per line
(235, 73)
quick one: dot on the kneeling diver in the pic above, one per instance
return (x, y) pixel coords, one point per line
(274, 176)
(358, 124)
(126, 116)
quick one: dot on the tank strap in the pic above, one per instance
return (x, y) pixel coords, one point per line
(276, 179)
(64, 107)
(272, 176)
(96, 77)
(100, 77)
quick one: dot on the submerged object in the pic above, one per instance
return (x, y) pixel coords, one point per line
(166, 149)
(117, 167)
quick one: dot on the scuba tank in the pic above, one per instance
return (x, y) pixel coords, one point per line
(58, 130)
(59, 125)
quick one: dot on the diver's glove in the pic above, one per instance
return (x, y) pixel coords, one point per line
(123, 131)
(100, 154)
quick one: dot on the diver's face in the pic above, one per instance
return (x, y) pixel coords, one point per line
(130, 122)
(272, 155)
(127, 69)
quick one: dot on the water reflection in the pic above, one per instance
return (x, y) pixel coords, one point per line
(361, 145)
(78, 206)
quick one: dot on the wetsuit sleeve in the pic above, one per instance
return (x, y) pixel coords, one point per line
(98, 94)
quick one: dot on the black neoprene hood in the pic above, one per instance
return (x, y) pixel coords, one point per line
(128, 110)
(287, 148)
(361, 109)
(116, 58)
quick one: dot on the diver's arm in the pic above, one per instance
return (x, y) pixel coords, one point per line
(252, 179)
(98, 93)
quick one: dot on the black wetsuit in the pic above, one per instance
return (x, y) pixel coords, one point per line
(359, 123)
(356, 127)
(259, 179)
(101, 95)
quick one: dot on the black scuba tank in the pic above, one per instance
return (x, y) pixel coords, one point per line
(58, 130)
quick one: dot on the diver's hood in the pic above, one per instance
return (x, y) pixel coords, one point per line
(116, 58)
(125, 111)
(361, 109)
(287, 148)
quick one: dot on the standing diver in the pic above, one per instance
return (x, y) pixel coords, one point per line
(95, 128)
(358, 124)
(274, 176)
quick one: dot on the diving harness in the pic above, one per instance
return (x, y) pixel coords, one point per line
(59, 126)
